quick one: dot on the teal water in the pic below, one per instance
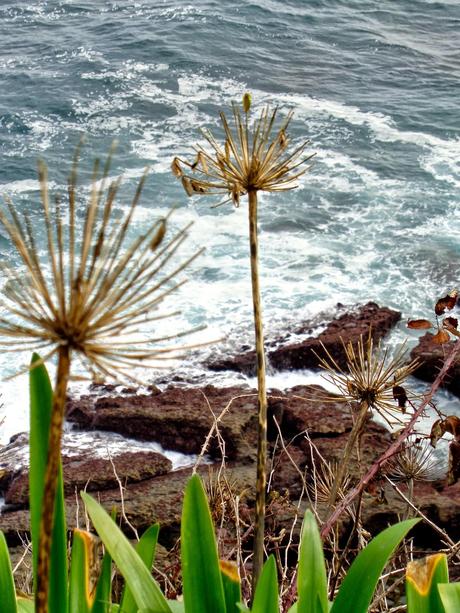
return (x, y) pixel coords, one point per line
(374, 85)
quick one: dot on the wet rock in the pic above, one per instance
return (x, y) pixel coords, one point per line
(432, 357)
(178, 418)
(347, 327)
(95, 474)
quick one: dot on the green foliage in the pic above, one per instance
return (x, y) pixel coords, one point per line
(41, 399)
(145, 590)
(266, 596)
(201, 575)
(311, 579)
(7, 591)
(450, 596)
(357, 588)
(422, 580)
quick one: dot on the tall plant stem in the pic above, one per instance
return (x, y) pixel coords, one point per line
(343, 465)
(261, 479)
(51, 478)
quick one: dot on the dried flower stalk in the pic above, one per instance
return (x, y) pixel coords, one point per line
(252, 158)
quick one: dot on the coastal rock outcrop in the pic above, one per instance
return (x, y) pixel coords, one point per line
(346, 327)
(432, 357)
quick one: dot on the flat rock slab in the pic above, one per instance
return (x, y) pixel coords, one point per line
(347, 327)
(95, 474)
(432, 358)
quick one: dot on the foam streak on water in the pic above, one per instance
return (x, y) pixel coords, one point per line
(374, 84)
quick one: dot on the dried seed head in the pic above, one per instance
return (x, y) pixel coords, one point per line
(370, 378)
(92, 292)
(253, 158)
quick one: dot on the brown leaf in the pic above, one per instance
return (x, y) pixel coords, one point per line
(446, 303)
(450, 322)
(441, 337)
(419, 324)
(437, 431)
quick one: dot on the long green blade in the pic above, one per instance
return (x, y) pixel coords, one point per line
(266, 596)
(7, 590)
(422, 579)
(41, 398)
(311, 579)
(103, 596)
(232, 585)
(358, 587)
(25, 605)
(79, 597)
(202, 580)
(146, 551)
(145, 590)
(450, 596)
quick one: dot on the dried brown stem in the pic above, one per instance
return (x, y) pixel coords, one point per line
(261, 479)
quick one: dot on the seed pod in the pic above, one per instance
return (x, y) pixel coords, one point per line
(159, 235)
(187, 185)
(197, 187)
(202, 160)
(247, 102)
(283, 139)
(176, 169)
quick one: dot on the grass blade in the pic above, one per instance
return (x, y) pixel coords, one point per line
(311, 579)
(7, 590)
(146, 551)
(202, 580)
(266, 596)
(358, 587)
(450, 596)
(79, 594)
(145, 590)
(232, 585)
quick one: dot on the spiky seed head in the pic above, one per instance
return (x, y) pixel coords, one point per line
(252, 157)
(370, 377)
(94, 292)
(415, 461)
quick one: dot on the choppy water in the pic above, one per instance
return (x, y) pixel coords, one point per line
(374, 85)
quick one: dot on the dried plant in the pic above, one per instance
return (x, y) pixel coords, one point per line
(253, 157)
(415, 461)
(99, 291)
(372, 380)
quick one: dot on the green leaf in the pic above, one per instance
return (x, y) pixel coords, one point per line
(79, 596)
(145, 590)
(311, 579)
(202, 580)
(41, 399)
(358, 587)
(232, 585)
(266, 596)
(422, 579)
(450, 596)
(7, 590)
(25, 605)
(103, 596)
(146, 550)
(176, 606)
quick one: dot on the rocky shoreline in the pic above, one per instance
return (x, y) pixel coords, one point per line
(180, 418)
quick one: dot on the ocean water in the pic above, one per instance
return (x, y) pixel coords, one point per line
(374, 84)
